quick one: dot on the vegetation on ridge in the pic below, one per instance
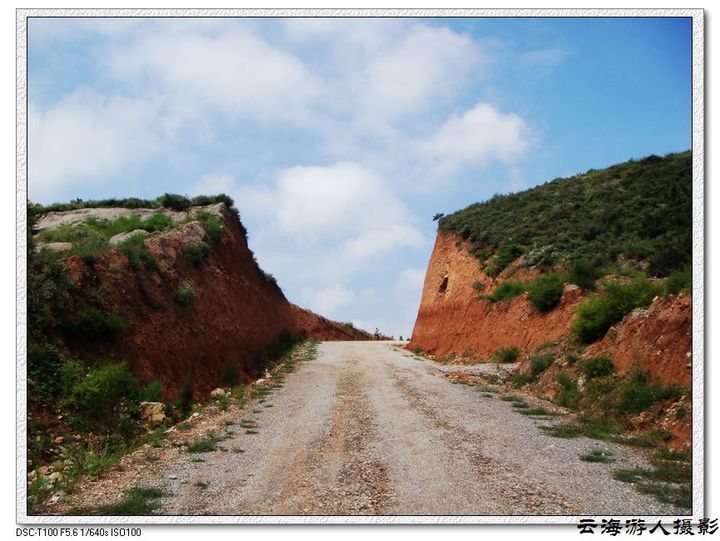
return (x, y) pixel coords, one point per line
(638, 210)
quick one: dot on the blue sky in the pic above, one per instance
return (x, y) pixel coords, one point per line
(339, 139)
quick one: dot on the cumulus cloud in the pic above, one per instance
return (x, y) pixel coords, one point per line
(326, 300)
(87, 135)
(478, 136)
(338, 219)
(335, 201)
(234, 71)
(427, 63)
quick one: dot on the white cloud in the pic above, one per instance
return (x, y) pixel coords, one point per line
(478, 136)
(336, 201)
(329, 222)
(326, 300)
(234, 71)
(429, 63)
(86, 136)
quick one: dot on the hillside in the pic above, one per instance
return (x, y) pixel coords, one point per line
(588, 271)
(638, 211)
(146, 304)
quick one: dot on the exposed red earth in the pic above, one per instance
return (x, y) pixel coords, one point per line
(237, 311)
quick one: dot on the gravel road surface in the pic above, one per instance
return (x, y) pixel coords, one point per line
(367, 429)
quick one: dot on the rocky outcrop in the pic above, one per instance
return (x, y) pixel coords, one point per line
(452, 319)
(235, 312)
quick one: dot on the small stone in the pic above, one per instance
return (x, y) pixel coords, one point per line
(152, 413)
(59, 440)
(54, 477)
(44, 470)
(217, 393)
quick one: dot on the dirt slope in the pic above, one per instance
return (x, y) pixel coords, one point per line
(236, 313)
(452, 320)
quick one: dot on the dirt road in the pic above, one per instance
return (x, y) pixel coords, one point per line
(368, 429)
(364, 429)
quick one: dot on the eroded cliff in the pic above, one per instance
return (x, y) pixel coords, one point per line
(231, 312)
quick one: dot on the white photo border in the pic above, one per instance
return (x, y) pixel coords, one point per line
(698, 291)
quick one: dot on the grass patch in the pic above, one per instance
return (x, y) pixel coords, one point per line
(138, 501)
(520, 380)
(680, 495)
(136, 252)
(569, 431)
(604, 456)
(506, 291)
(506, 355)
(212, 223)
(207, 444)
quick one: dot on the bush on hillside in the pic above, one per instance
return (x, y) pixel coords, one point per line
(583, 274)
(98, 397)
(602, 310)
(506, 355)
(506, 291)
(94, 324)
(545, 293)
(597, 367)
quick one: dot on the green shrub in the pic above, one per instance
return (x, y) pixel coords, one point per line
(98, 395)
(157, 222)
(597, 367)
(479, 287)
(212, 223)
(153, 392)
(505, 255)
(520, 380)
(539, 362)
(185, 295)
(506, 355)
(134, 249)
(197, 253)
(175, 201)
(94, 324)
(600, 311)
(506, 291)
(679, 282)
(545, 292)
(583, 274)
(568, 394)
(639, 393)
(49, 294)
